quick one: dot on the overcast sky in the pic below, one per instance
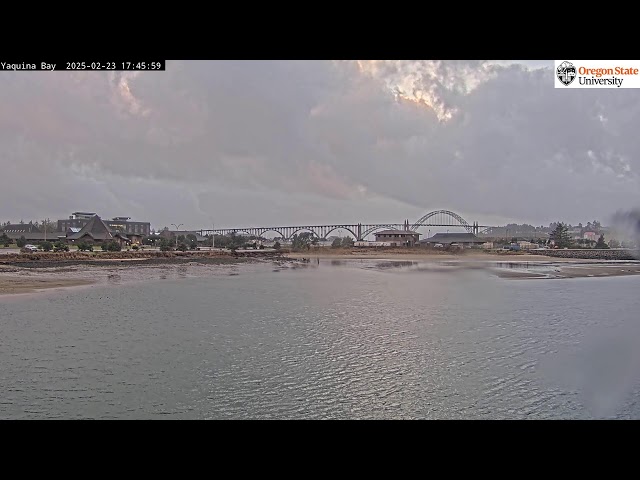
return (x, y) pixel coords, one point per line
(244, 143)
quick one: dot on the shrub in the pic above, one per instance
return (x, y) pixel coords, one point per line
(60, 247)
(277, 246)
(165, 245)
(104, 246)
(135, 247)
(46, 246)
(182, 247)
(84, 246)
(21, 242)
(113, 246)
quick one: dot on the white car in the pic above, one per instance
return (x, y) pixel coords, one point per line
(30, 248)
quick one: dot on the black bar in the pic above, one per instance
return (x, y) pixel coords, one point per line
(83, 65)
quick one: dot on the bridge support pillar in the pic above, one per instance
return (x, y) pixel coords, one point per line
(475, 228)
(359, 232)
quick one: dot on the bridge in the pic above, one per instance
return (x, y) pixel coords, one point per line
(360, 231)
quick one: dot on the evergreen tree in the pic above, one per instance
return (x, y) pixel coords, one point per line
(561, 236)
(601, 243)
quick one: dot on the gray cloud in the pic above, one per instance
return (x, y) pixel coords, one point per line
(282, 141)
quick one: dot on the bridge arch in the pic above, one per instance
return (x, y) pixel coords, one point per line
(339, 227)
(303, 229)
(442, 216)
(262, 232)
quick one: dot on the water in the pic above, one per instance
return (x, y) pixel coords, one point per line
(334, 339)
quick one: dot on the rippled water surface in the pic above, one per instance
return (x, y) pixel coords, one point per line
(329, 339)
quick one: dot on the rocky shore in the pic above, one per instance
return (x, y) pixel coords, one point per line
(590, 254)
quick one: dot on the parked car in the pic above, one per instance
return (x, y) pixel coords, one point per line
(29, 248)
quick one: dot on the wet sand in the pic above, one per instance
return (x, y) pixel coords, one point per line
(11, 285)
(430, 255)
(557, 270)
(504, 265)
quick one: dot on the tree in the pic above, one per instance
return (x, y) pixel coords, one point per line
(182, 247)
(5, 240)
(165, 245)
(46, 246)
(560, 235)
(277, 246)
(21, 242)
(301, 241)
(601, 243)
(337, 242)
(347, 242)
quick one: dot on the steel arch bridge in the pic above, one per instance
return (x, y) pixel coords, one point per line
(360, 231)
(444, 218)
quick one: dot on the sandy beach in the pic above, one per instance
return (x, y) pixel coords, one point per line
(13, 284)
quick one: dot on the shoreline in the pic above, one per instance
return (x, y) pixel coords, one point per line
(506, 257)
(17, 285)
(63, 273)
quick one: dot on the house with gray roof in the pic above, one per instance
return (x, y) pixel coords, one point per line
(446, 239)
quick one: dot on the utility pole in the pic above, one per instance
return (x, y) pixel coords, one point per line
(177, 230)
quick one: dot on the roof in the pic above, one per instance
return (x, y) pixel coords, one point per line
(397, 232)
(20, 227)
(35, 236)
(74, 229)
(95, 228)
(453, 238)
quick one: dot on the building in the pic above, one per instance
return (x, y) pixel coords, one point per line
(174, 234)
(120, 224)
(447, 239)
(593, 236)
(20, 228)
(398, 238)
(30, 232)
(97, 231)
(524, 245)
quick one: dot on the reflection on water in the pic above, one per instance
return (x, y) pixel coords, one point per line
(348, 342)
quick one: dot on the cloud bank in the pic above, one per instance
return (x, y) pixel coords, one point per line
(243, 142)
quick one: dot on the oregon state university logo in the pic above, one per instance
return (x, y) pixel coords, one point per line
(566, 73)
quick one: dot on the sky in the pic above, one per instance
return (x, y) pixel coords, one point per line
(265, 143)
